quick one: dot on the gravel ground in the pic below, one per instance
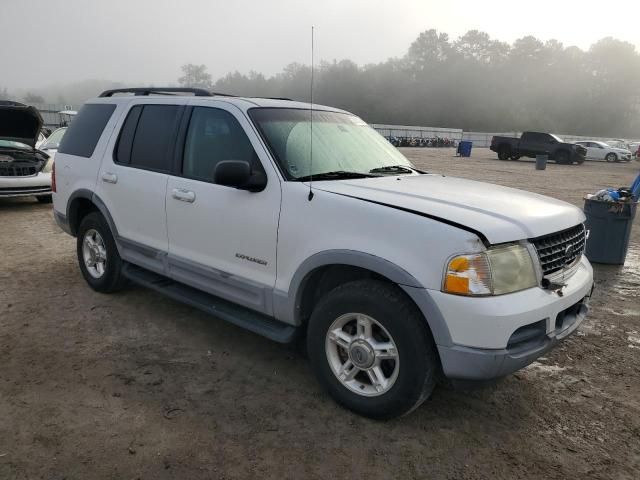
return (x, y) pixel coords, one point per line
(135, 385)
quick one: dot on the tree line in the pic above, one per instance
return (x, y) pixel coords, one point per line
(473, 82)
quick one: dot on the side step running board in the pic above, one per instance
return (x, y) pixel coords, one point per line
(232, 313)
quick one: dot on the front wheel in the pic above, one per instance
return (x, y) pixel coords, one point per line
(562, 157)
(611, 157)
(372, 350)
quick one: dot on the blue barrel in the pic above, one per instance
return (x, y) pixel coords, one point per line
(464, 148)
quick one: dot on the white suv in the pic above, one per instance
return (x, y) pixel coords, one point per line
(396, 277)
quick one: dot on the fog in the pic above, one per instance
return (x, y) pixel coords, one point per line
(65, 52)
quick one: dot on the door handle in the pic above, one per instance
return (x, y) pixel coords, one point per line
(109, 177)
(183, 195)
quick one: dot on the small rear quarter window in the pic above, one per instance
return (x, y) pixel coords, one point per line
(85, 129)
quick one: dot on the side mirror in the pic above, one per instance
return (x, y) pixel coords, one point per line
(237, 174)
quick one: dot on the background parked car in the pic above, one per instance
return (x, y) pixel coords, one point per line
(24, 170)
(41, 139)
(635, 149)
(50, 146)
(597, 150)
(531, 144)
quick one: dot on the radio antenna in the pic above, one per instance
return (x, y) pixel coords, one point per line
(311, 125)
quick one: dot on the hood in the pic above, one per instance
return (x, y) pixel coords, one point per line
(621, 150)
(19, 123)
(500, 214)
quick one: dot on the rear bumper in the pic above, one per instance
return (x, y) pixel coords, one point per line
(39, 184)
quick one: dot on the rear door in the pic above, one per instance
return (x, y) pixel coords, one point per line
(133, 179)
(77, 160)
(221, 239)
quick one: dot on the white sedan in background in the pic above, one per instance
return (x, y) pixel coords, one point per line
(597, 150)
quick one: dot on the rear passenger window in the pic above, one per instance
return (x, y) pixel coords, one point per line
(215, 135)
(85, 130)
(147, 135)
(123, 150)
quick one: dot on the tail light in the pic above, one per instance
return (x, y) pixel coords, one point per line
(53, 177)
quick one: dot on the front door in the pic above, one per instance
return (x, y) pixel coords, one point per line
(221, 239)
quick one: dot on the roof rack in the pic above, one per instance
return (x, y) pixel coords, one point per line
(197, 92)
(275, 98)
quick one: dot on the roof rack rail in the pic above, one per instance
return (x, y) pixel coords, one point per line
(143, 91)
(275, 98)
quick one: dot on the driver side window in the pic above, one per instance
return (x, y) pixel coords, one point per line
(215, 135)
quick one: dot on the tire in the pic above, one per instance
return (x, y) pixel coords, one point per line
(409, 377)
(562, 157)
(44, 198)
(515, 157)
(110, 279)
(611, 157)
(504, 152)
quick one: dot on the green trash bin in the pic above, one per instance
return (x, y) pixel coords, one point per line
(609, 225)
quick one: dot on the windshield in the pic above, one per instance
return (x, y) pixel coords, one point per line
(12, 144)
(557, 138)
(54, 139)
(341, 142)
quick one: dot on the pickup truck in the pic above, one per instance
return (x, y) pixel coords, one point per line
(534, 143)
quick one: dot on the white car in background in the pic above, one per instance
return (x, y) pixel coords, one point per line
(41, 139)
(597, 150)
(24, 170)
(50, 145)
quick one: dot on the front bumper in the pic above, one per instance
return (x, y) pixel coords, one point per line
(39, 184)
(483, 331)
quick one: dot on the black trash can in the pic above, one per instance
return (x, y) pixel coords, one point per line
(609, 225)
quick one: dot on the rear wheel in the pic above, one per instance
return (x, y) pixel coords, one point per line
(504, 152)
(371, 349)
(44, 198)
(98, 256)
(611, 157)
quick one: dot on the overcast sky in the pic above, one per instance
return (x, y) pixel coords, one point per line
(45, 42)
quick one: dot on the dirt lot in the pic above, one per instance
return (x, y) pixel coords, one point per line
(135, 385)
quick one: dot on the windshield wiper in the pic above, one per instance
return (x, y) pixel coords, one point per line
(394, 169)
(335, 175)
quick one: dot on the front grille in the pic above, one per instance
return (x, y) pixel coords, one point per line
(560, 250)
(12, 171)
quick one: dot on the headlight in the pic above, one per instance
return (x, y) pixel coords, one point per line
(497, 271)
(48, 165)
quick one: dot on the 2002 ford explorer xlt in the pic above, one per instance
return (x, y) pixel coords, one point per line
(396, 277)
